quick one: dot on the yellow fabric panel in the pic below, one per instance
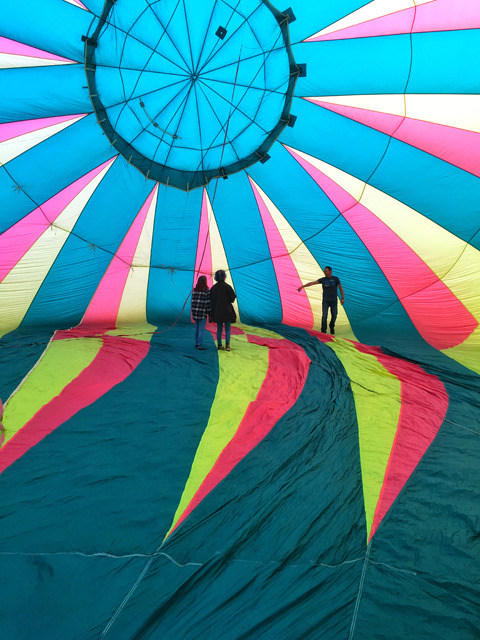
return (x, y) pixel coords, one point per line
(307, 268)
(62, 362)
(133, 305)
(237, 387)
(219, 257)
(20, 286)
(453, 260)
(461, 111)
(376, 393)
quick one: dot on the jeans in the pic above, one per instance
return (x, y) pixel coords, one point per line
(199, 330)
(333, 305)
(228, 326)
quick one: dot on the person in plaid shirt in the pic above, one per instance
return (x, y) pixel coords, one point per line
(200, 310)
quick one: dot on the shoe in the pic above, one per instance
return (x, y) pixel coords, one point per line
(332, 332)
(227, 348)
(322, 331)
(220, 348)
(202, 348)
(196, 346)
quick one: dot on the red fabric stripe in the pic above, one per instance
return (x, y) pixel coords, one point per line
(424, 405)
(115, 361)
(286, 375)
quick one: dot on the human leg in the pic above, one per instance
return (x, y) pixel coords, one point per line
(201, 331)
(325, 306)
(334, 311)
(228, 330)
(219, 333)
(197, 328)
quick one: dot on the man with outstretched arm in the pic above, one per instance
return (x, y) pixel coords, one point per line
(330, 297)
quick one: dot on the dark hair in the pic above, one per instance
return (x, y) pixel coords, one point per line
(201, 284)
(220, 275)
(328, 268)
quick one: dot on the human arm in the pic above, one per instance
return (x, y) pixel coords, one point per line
(342, 299)
(309, 284)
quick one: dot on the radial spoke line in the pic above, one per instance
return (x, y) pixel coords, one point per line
(128, 34)
(211, 146)
(165, 29)
(255, 55)
(233, 34)
(145, 128)
(178, 125)
(161, 73)
(120, 65)
(188, 33)
(151, 55)
(142, 95)
(199, 125)
(216, 43)
(195, 70)
(245, 86)
(235, 107)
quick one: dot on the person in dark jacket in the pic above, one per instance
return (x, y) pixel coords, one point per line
(221, 298)
(200, 310)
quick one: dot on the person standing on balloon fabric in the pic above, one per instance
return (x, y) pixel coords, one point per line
(330, 297)
(221, 297)
(200, 310)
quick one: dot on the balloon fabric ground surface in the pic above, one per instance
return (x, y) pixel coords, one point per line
(304, 485)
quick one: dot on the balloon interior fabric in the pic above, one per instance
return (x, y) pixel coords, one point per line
(305, 485)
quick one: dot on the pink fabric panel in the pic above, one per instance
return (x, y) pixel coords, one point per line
(286, 376)
(323, 337)
(427, 300)
(384, 122)
(16, 241)
(395, 23)
(82, 5)
(341, 199)
(438, 15)
(103, 308)
(457, 146)
(296, 308)
(19, 49)
(203, 260)
(11, 130)
(424, 405)
(116, 360)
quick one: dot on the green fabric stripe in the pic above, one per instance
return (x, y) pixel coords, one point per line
(377, 400)
(241, 375)
(62, 362)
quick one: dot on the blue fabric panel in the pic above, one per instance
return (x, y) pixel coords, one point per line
(49, 167)
(56, 27)
(429, 185)
(174, 247)
(445, 62)
(89, 249)
(312, 17)
(349, 67)
(43, 93)
(19, 352)
(247, 250)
